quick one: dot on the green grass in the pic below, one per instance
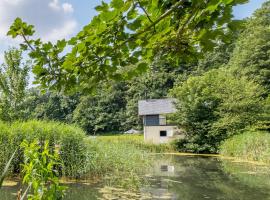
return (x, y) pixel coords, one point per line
(119, 159)
(250, 145)
(69, 138)
(122, 159)
(118, 163)
(137, 141)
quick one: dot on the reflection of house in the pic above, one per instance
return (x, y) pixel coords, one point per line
(156, 128)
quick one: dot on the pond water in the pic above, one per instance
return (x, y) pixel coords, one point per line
(183, 178)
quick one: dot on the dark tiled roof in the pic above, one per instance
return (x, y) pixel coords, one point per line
(156, 106)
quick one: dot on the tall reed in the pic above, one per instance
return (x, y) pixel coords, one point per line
(250, 145)
(69, 139)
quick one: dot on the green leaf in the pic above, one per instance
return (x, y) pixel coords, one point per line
(61, 44)
(117, 4)
(135, 25)
(142, 67)
(213, 5)
(103, 7)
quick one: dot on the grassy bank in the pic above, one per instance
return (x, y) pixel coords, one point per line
(138, 142)
(250, 145)
(117, 160)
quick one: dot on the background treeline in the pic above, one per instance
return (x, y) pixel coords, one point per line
(221, 94)
(112, 107)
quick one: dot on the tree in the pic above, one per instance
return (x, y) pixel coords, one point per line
(13, 84)
(103, 111)
(251, 56)
(50, 105)
(215, 105)
(128, 33)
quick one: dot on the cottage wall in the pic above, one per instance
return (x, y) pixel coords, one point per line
(152, 134)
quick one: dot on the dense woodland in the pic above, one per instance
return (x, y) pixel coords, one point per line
(220, 92)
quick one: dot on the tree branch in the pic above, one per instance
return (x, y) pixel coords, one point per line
(166, 14)
(145, 12)
(134, 36)
(190, 18)
(27, 42)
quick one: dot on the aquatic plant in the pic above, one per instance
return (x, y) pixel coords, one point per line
(119, 163)
(68, 138)
(5, 171)
(41, 171)
(250, 145)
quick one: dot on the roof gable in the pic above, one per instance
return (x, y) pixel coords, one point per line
(156, 106)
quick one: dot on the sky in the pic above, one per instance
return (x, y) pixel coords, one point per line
(57, 19)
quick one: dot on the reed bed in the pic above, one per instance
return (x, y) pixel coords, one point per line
(250, 145)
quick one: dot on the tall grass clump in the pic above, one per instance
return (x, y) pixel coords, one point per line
(117, 162)
(138, 142)
(68, 139)
(6, 146)
(250, 145)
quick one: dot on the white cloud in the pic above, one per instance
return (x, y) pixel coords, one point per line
(54, 4)
(57, 6)
(53, 19)
(61, 32)
(67, 7)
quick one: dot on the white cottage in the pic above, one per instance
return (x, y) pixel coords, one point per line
(156, 128)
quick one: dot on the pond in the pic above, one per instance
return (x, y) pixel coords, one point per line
(185, 178)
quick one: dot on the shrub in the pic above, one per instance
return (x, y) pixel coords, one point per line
(212, 106)
(68, 138)
(39, 173)
(250, 145)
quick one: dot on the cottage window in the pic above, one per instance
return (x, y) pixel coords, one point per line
(163, 133)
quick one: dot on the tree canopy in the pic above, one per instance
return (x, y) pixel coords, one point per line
(125, 37)
(13, 83)
(251, 55)
(214, 105)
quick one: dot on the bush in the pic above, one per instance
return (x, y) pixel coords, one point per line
(250, 145)
(68, 138)
(212, 106)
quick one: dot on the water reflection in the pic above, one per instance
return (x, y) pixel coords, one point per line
(183, 178)
(211, 178)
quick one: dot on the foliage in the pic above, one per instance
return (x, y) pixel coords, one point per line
(5, 171)
(138, 142)
(128, 33)
(250, 145)
(122, 159)
(13, 83)
(118, 163)
(39, 171)
(50, 105)
(213, 106)
(6, 147)
(251, 56)
(102, 112)
(68, 138)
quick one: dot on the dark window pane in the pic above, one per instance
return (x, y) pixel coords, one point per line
(163, 133)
